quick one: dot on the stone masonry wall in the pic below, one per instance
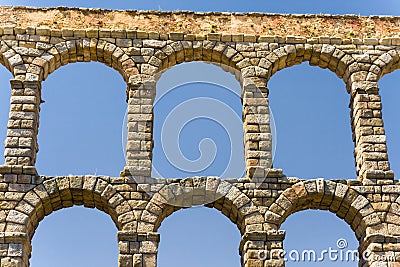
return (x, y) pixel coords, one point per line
(140, 45)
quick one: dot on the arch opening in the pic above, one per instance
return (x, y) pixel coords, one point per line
(198, 235)
(83, 124)
(312, 124)
(323, 239)
(5, 95)
(197, 112)
(76, 243)
(390, 96)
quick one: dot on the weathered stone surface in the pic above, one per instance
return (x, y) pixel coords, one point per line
(259, 203)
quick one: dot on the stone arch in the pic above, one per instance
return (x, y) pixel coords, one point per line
(231, 57)
(385, 64)
(169, 54)
(336, 197)
(346, 66)
(166, 54)
(233, 203)
(321, 55)
(62, 192)
(11, 59)
(83, 50)
(363, 86)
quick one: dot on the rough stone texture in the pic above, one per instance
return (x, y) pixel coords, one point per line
(140, 45)
(242, 25)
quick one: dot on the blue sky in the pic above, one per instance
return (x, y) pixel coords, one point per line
(87, 100)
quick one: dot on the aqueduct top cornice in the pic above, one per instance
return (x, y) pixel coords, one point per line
(189, 22)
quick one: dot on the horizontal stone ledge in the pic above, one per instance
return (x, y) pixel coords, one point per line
(18, 169)
(274, 176)
(378, 238)
(135, 236)
(19, 84)
(264, 236)
(220, 37)
(13, 237)
(378, 174)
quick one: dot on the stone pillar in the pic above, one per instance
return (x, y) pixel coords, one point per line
(140, 128)
(262, 249)
(15, 250)
(21, 142)
(257, 130)
(137, 250)
(368, 132)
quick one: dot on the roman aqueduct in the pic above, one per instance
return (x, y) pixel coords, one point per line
(140, 44)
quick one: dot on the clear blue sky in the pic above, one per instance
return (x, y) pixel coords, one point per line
(310, 107)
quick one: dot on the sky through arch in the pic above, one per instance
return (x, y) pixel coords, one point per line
(81, 121)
